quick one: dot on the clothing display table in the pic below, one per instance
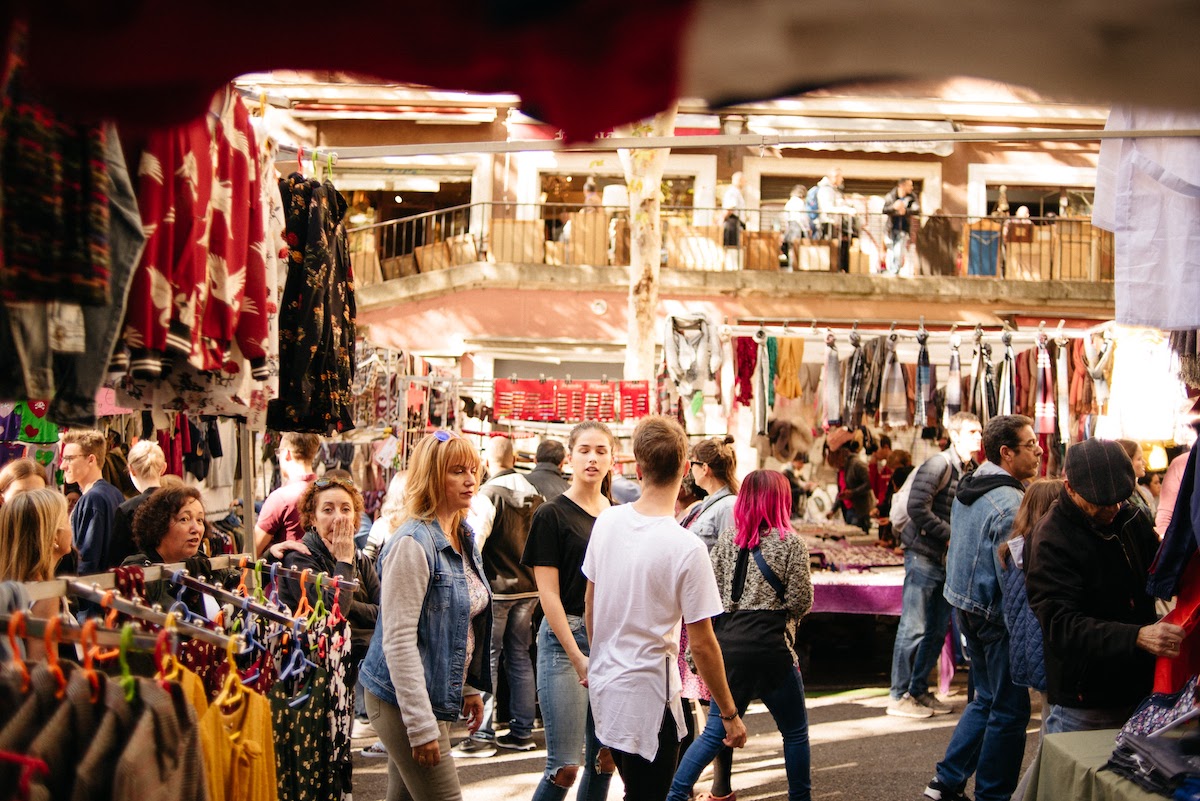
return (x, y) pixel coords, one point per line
(1069, 767)
(875, 592)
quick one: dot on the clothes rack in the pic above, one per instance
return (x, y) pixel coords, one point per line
(105, 598)
(221, 594)
(56, 588)
(35, 627)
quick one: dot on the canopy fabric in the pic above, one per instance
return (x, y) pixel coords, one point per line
(587, 65)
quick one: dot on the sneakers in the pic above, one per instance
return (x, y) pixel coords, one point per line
(362, 729)
(375, 750)
(514, 743)
(471, 748)
(930, 700)
(908, 707)
(936, 791)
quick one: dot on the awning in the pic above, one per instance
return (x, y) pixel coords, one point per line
(809, 126)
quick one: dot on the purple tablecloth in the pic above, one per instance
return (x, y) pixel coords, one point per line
(877, 592)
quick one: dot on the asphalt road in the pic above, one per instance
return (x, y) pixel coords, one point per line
(858, 752)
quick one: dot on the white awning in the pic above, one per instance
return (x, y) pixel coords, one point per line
(810, 126)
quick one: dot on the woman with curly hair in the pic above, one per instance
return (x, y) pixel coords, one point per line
(169, 527)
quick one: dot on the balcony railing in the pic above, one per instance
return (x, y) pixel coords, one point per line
(568, 235)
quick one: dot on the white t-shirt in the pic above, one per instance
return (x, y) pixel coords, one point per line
(649, 573)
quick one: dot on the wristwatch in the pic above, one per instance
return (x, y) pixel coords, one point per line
(727, 717)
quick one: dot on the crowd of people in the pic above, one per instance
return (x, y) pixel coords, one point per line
(685, 599)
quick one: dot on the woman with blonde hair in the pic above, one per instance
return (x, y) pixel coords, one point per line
(147, 464)
(20, 475)
(35, 533)
(430, 653)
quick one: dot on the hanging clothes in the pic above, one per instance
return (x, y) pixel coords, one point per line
(761, 384)
(1044, 421)
(239, 751)
(692, 346)
(1099, 357)
(317, 314)
(925, 385)
(852, 410)
(791, 356)
(1006, 389)
(1063, 382)
(953, 404)
(772, 368)
(831, 394)
(893, 403)
(745, 359)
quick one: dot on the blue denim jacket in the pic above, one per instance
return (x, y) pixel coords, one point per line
(976, 531)
(442, 627)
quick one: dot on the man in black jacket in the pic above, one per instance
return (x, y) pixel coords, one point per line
(899, 205)
(925, 613)
(1086, 580)
(546, 475)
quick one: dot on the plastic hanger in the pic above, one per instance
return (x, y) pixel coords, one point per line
(318, 611)
(51, 639)
(304, 608)
(169, 668)
(232, 692)
(127, 680)
(91, 647)
(16, 630)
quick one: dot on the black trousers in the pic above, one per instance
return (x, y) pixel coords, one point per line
(645, 780)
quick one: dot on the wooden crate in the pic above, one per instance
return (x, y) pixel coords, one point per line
(399, 266)
(432, 257)
(518, 241)
(589, 239)
(462, 249)
(762, 249)
(815, 256)
(694, 247)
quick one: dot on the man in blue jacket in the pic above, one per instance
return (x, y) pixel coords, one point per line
(990, 735)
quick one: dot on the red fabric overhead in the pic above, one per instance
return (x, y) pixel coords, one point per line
(582, 66)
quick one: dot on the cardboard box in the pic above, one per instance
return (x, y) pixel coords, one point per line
(432, 257)
(518, 241)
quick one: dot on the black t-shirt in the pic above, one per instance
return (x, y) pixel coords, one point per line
(558, 538)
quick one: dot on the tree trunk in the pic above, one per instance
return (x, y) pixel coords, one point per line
(643, 177)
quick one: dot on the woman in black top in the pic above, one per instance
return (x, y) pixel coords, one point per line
(557, 542)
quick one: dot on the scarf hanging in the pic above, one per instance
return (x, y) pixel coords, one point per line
(831, 396)
(873, 355)
(772, 370)
(1006, 390)
(852, 410)
(1043, 413)
(893, 405)
(791, 356)
(762, 385)
(1064, 393)
(988, 387)
(923, 397)
(953, 382)
(1099, 357)
(745, 358)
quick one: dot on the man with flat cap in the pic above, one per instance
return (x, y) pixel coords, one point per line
(1086, 579)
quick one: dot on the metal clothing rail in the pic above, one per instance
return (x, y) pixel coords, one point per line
(236, 600)
(762, 141)
(57, 588)
(35, 627)
(97, 595)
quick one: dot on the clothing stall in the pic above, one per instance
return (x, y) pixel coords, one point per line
(249, 702)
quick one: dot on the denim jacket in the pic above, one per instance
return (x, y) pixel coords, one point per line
(440, 630)
(978, 524)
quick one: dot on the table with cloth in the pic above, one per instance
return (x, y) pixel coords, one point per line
(1068, 767)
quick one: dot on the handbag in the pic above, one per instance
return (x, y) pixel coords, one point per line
(1160, 711)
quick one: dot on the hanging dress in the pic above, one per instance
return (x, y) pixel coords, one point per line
(831, 408)
(852, 410)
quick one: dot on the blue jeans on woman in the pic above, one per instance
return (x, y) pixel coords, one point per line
(786, 704)
(570, 733)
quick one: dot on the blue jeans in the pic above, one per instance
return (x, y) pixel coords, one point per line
(1059, 719)
(786, 704)
(924, 618)
(570, 733)
(989, 739)
(512, 634)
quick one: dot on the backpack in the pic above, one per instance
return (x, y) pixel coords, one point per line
(810, 200)
(899, 512)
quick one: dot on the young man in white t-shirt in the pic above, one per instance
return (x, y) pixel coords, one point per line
(646, 573)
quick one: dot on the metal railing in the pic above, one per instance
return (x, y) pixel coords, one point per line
(568, 235)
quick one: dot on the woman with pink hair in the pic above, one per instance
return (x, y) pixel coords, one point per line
(761, 567)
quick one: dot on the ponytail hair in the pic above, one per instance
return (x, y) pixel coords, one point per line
(718, 454)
